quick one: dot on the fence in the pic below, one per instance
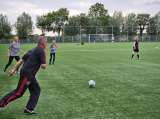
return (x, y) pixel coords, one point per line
(121, 34)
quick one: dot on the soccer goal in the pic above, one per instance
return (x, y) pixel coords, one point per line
(100, 38)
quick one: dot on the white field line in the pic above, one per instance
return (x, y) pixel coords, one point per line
(158, 47)
(96, 50)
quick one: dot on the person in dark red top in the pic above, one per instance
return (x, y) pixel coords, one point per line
(33, 59)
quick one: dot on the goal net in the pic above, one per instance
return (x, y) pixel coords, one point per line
(100, 38)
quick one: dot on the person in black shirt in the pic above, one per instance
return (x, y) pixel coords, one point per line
(136, 48)
(33, 59)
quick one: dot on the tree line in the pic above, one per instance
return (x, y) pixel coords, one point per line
(97, 17)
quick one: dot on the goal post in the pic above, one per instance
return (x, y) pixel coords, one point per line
(100, 37)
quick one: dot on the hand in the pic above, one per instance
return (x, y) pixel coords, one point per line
(8, 56)
(11, 72)
(43, 67)
(139, 47)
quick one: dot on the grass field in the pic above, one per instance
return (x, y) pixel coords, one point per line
(125, 88)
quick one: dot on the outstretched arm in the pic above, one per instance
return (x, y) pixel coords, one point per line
(58, 47)
(22, 51)
(15, 67)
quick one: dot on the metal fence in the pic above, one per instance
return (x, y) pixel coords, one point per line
(76, 39)
(121, 34)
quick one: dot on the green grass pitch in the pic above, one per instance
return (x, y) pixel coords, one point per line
(125, 88)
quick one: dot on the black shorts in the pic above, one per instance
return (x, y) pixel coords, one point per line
(135, 50)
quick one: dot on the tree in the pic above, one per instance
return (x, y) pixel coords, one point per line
(93, 23)
(117, 21)
(72, 28)
(83, 19)
(5, 27)
(42, 23)
(100, 13)
(83, 22)
(130, 24)
(143, 20)
(24, 26)
(57, 20)
(154, 25)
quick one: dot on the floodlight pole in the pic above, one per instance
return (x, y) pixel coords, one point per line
(80, 34)
(112, 29)
(127, 33)
(1, 24)
(63, 33)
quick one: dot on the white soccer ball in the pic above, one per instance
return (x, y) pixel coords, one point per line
(91, 83)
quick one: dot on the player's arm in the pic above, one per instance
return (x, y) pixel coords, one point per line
(42, 56)
(15, 67)
(8, 53)
(58, 47)
(134, 45)
(10, 46)
(138, 46)
(51, 48)
(22, 51)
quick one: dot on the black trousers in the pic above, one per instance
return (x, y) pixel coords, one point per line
(51, 57)
(11, 59)
(23, 84)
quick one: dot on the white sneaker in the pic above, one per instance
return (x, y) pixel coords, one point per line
(17, 72)
(4, 71)
(139, 58)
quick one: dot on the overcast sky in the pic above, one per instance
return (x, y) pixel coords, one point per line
(13, 8)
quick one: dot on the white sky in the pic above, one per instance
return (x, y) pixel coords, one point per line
(13, 8)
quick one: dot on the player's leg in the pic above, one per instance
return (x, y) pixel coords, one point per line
(53, 58)
(133, 54)
(17, 93)
(138, 55)
(9, 63)
(50, 59)
(17, 59)
(34, 90)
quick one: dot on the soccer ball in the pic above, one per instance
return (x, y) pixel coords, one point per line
(91, 83)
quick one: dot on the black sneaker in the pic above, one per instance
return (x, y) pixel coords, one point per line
(26, 111)
(53, 63)
(49, 63)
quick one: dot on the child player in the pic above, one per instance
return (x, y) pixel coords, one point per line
(52, 51)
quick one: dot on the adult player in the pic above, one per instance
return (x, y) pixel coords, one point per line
(14, 47)
(33, 59)
(136, 48)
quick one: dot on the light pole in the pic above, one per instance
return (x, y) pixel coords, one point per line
(1, 21)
